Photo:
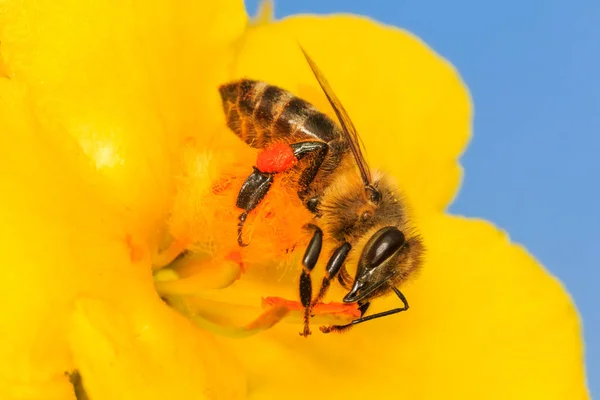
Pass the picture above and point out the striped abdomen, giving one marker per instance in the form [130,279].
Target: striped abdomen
[260,114]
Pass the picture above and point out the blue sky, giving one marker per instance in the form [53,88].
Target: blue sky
[533,68]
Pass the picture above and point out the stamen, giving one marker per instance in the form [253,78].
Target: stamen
[322,313]
[192,311]
[190,285]
[228,319]
[199,275]
[168,255]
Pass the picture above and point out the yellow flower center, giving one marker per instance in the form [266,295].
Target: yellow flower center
[203,257]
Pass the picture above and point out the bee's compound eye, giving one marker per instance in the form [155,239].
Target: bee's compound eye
[383,245]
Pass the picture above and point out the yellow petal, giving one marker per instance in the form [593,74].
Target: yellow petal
[408,104]
[33,349]
[486,321]
[77,287]
[147,351]
[94,99]
[126,79]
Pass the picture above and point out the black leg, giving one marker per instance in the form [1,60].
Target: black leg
[363,307]
[318,154]
[333,267]
[242,219]
[254,189]
[257,185]
[341,328]
[309,261]
[303,149]
[345,279]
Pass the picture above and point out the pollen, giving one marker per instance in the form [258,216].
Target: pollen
[276,158]
[323,313]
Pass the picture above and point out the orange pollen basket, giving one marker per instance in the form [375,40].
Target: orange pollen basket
[276,158]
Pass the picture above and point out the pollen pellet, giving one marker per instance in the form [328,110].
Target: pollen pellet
[276,158]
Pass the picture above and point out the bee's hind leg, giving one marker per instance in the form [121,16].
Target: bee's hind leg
[317,151]
[254,189]
[273,160]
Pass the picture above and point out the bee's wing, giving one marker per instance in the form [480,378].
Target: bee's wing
[348,129]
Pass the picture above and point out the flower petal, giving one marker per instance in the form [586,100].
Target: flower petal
[148,351]
[79,284]
[409,105]
[128,81]
[486,321]
[97,96]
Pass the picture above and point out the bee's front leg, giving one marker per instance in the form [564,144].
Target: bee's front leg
[363,309]
[309,261]
[311,256]
[335,263]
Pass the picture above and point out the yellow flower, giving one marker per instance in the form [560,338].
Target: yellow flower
[112,140]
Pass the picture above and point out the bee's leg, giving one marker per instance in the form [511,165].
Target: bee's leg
[272,160]
[333,267]
[308,176]
[317,152]
[311,256]
[253,190]
[341,328]
[302,149]
[344,278]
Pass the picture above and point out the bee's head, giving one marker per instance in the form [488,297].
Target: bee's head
[387,259]
[351,210]
[374,220]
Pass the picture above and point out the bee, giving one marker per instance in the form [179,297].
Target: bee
[323,162]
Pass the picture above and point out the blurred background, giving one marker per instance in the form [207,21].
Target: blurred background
[532,167]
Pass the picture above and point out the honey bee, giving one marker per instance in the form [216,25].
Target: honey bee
[324,163]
